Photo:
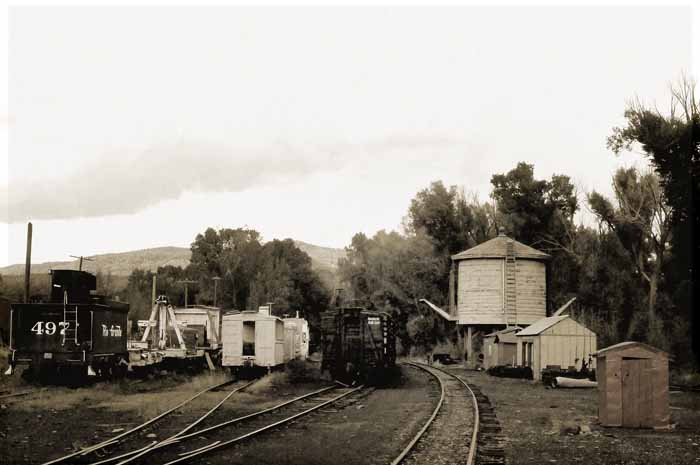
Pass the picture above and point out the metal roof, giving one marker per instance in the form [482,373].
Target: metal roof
[504,331]
[541,325]
[496,248]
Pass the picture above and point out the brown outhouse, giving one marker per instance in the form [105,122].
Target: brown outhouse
[633,386]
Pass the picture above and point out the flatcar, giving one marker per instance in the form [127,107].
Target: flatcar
[75,332]
[358,344]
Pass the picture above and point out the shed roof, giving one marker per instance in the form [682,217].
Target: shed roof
[629,344]
[541,325]
[496,248]
[504,331]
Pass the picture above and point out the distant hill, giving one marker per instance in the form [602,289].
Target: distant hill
[322,257]
[121,264]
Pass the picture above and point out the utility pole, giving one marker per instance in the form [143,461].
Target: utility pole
[28,263]
[186,282]
[87,259]
[153,290]
[216,280]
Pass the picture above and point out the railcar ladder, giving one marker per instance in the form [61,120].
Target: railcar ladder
[70,322]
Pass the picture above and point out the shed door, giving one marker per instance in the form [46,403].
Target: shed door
[636,393]
[509,353]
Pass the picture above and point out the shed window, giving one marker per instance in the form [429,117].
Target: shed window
[527,354]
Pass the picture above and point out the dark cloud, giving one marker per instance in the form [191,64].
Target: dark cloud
[123,184]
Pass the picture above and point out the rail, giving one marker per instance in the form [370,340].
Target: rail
[117,438]
[472,446]
[187,456]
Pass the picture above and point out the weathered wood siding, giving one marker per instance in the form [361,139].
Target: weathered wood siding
[560,344]
[565,342]
[633,388]
[480,291]
[531,291]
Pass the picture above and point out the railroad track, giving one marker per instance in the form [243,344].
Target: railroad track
[97,453]
[190,447]
[450,434]
[16,395]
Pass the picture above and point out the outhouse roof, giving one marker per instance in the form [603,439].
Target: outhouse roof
[496,248]
[541,325]
[628,345]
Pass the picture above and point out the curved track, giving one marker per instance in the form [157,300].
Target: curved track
[450,434]
[97,451]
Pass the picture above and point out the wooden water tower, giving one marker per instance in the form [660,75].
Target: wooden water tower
[495,285]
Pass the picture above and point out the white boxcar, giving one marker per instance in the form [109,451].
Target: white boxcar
[252,339]
[296,338]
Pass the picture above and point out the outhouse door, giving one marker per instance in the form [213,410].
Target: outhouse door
[636,392]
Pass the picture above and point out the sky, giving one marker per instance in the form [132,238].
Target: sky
[134,127]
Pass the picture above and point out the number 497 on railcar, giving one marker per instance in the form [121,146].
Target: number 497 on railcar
[75,332]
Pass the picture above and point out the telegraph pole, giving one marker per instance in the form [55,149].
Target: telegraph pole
[186,282]
[28,263]
[216,280]
[87,259]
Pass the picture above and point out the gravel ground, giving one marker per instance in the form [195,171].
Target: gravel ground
[371,428]
[538,424]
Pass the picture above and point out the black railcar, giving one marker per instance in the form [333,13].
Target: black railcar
[75,331]
[359,345]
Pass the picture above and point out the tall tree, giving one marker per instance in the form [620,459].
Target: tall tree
[671,141]
[444,215]
[540,213]
[641,222]
[230,254]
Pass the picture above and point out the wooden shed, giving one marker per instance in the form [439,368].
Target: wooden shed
[500,348]
[556,340]
[633,386]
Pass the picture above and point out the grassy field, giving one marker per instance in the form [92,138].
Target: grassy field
[561,426]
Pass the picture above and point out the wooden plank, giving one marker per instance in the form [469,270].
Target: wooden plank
[630,393]
[209,362]
[646,402]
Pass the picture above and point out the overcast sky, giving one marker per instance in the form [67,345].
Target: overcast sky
[136,127]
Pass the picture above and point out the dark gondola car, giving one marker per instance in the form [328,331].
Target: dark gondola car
[75,331]
[359,345]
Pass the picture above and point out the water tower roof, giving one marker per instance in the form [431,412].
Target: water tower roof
[496,248]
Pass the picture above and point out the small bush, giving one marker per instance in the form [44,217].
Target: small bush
[300,371]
